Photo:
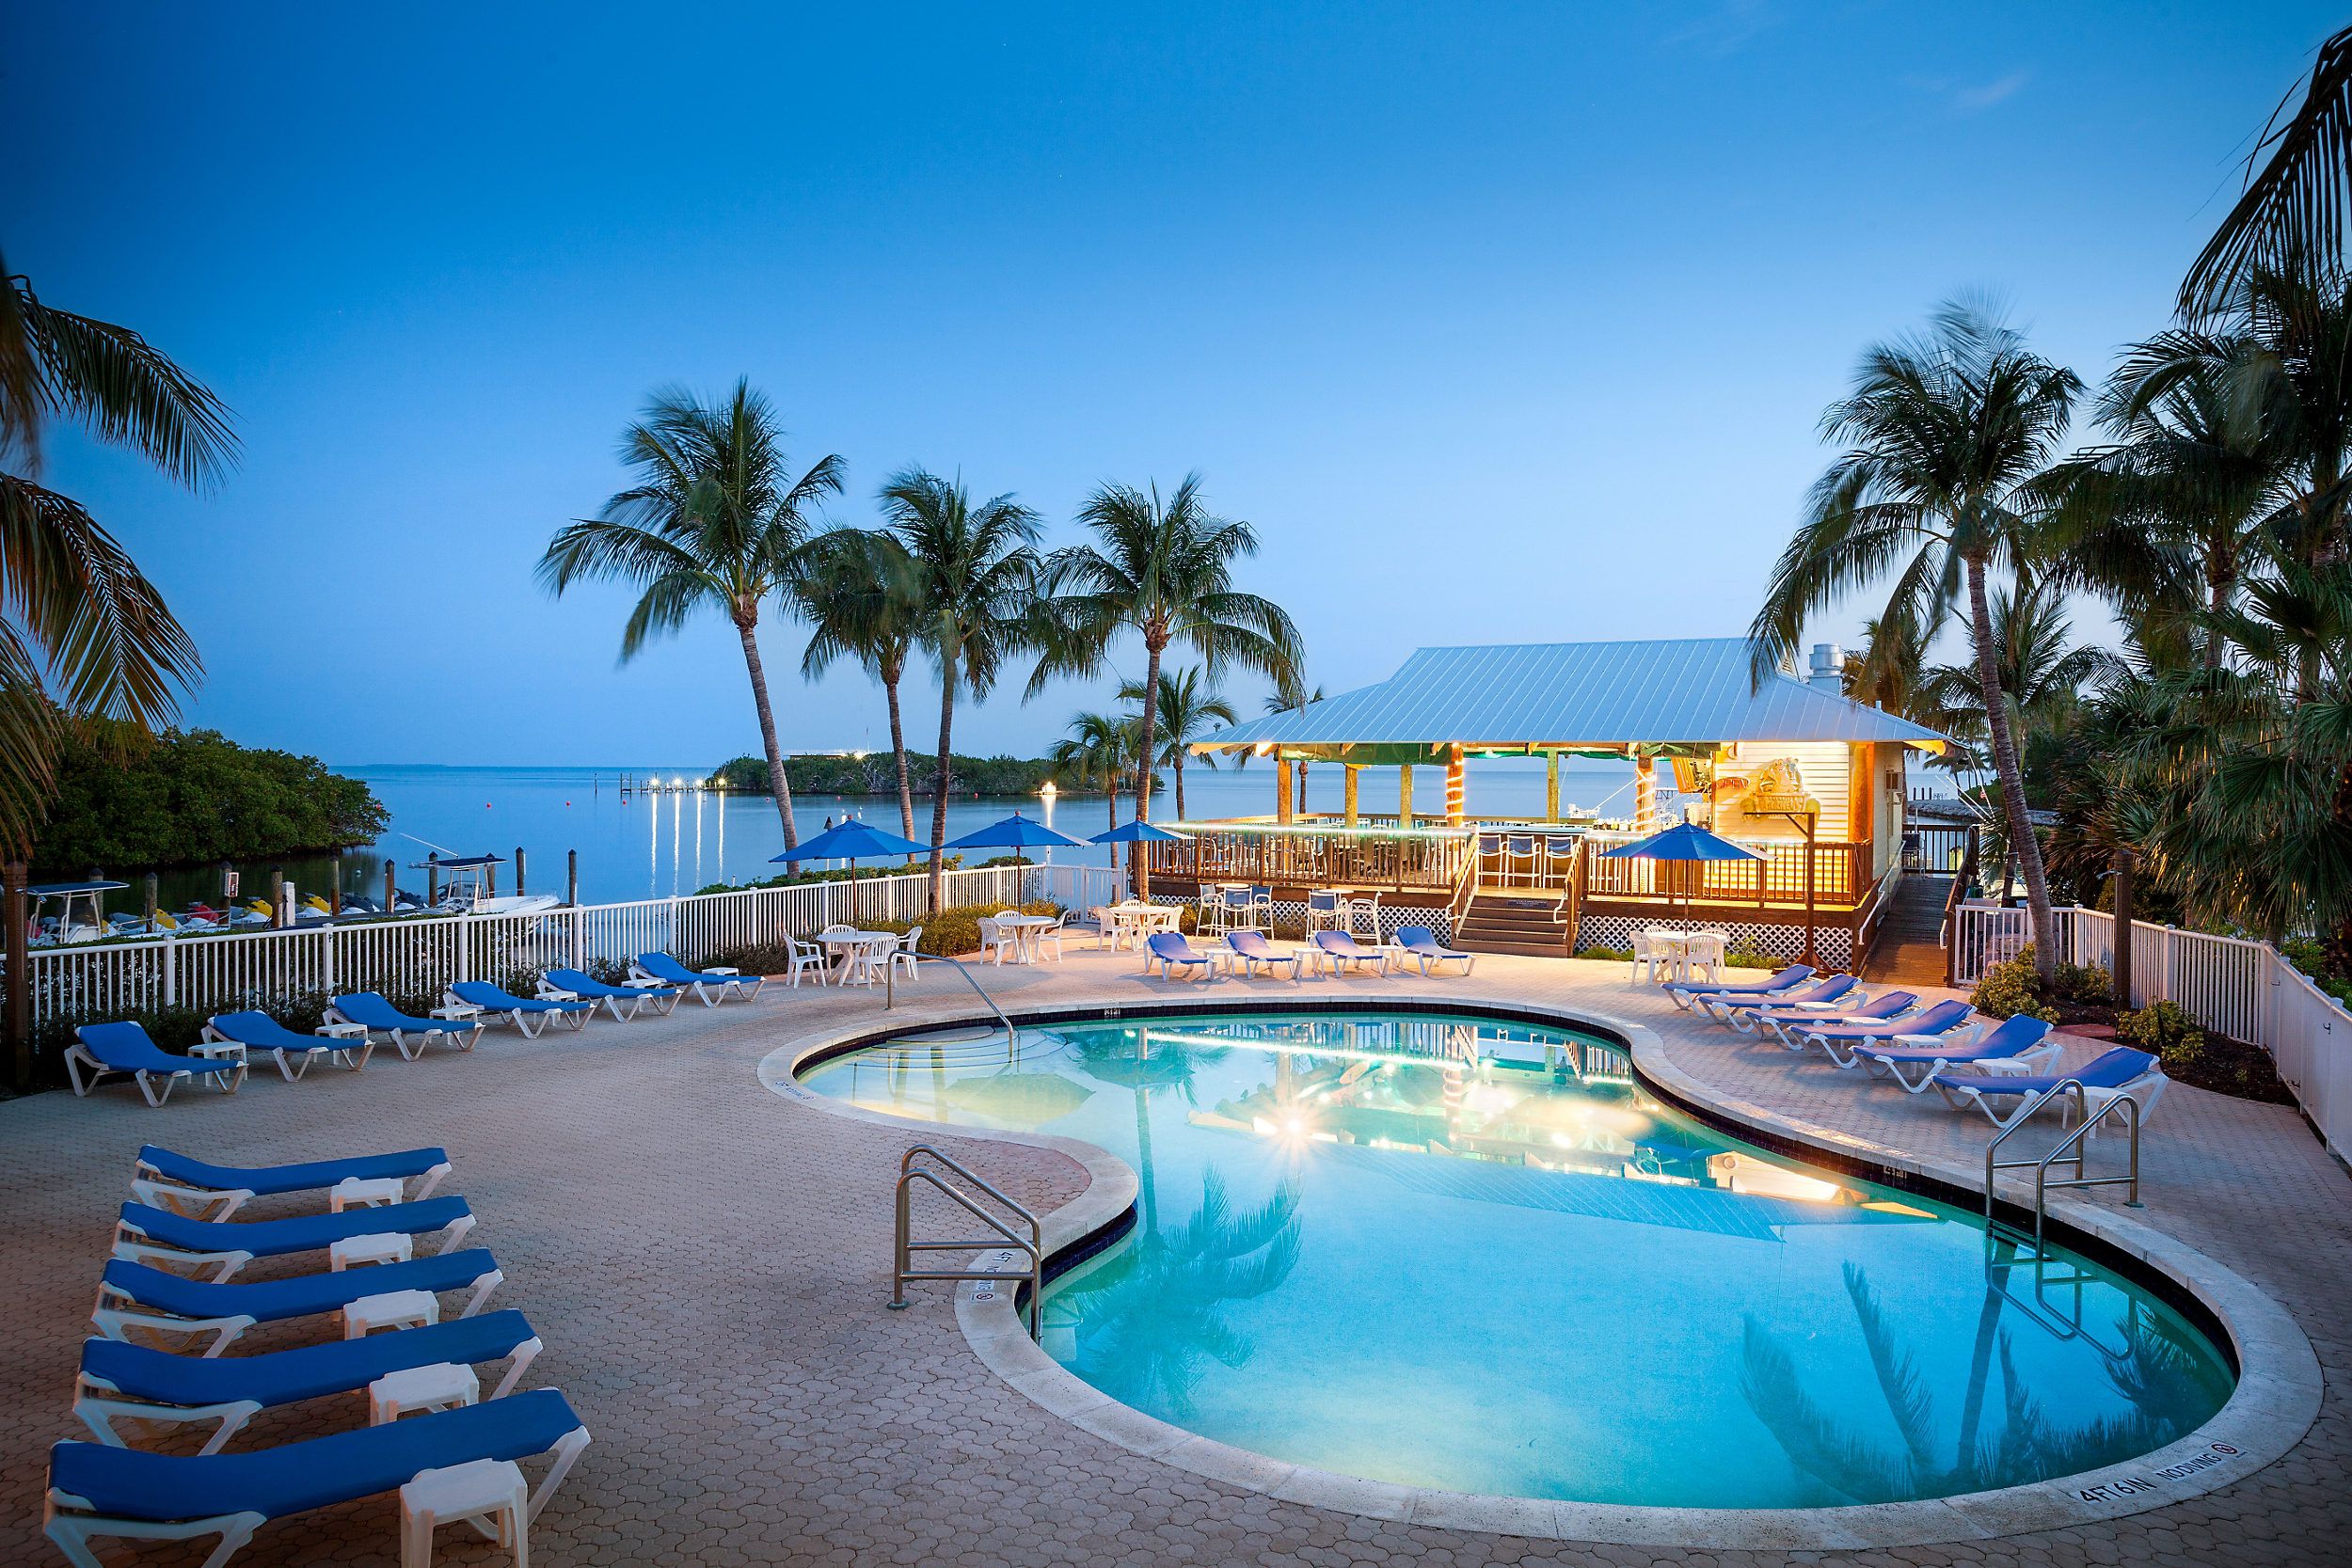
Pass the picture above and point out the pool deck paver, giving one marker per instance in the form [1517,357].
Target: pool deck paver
[707,1261]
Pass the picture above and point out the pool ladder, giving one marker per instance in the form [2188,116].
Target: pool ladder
[2085,1121]
[1013,1231]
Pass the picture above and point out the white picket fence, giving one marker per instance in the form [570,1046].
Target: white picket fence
[409,956]
[2241,988]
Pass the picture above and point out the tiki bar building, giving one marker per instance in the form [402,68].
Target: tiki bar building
[1810,780]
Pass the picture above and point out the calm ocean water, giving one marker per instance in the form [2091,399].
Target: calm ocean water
[657,845]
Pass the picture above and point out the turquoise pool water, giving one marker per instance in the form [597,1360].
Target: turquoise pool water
[1459,1253]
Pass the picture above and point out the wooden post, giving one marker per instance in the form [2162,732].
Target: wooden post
[490,881]
[2125,862]
[1347,795]
[277,896]
[1405,796]
[1454,805]
[147,887]
[571,876]
[1808,823]
[1283,770]
[335,894]
[432,879]
[392,885]
[1551,786]
[518,871]
[18,946]
[1644,794]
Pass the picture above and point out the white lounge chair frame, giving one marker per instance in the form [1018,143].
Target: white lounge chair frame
[123,1321]
[226,1076]
[151,1187]
[131,1246]
[338,1048]
[464,1036]
[523,1018]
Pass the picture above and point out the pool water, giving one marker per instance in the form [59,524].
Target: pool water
[1460,1252]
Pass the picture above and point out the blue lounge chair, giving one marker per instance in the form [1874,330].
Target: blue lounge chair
[168,1179]
[527,1014]
[1249,950]
[409,1035]
[1338,950]
[2020,1044]
[572,985]
[1882,1009]
[135,1296]
[124,1048]
[1422,944]
[97,1491]
[1781,984]
[2007,1100]
[261,1032]
[1839,1041]
[119,1381]
[710,986]
[1737,1010]
[170,1241]
[1169,949]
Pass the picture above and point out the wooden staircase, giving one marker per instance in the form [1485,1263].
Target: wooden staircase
[1905,950]
[1531,923]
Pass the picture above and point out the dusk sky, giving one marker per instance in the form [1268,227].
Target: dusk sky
[1501,323]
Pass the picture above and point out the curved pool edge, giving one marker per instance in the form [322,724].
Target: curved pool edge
[2275,1401]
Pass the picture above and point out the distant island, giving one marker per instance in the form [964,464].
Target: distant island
[192,798]
[875,774]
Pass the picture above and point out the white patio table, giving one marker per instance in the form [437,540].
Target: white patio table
[857,951]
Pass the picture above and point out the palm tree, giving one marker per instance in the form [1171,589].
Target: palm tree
[1182,714]
[974,581]
[1099,750]
[2191,493]
[859,595]
[1164,571]
[1289,697]
[714,519]
[2291,210]
[83,635]
[1949,434]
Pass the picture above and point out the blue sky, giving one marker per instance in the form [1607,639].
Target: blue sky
[1501,323]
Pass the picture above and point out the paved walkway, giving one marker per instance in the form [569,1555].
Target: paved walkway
[708,1263]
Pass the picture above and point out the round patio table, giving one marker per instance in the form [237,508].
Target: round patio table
[1024,928]
[857,950]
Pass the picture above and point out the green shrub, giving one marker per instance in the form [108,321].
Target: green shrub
[1607,955]
[2084,983]
[2163,1028]
[2012,988]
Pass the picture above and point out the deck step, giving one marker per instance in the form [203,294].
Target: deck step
[1906,949]
[1529,927]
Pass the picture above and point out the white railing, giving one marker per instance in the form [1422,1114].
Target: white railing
[422,954]
[2232,986]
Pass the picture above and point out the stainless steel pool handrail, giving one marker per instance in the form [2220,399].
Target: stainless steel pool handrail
[2085,1119]
[1003,1235]
[1013,1035]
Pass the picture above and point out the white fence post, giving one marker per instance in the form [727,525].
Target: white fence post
[465,956]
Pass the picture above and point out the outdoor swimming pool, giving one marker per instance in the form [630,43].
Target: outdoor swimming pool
[1465,1254]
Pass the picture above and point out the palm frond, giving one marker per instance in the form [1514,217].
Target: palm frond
[2292,212]
[123,391]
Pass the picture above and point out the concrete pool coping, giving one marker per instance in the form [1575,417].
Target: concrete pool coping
[2274,1404]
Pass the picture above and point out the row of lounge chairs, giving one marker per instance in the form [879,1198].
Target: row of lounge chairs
[1246,952]
[2003,1069]
[354,1020]
[448,1452]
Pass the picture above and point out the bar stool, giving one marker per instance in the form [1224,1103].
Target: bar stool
[1490,848]
[1326,911]
[1518,848]
[1557,852]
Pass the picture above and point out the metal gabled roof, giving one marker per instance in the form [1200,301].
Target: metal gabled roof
[1671,691]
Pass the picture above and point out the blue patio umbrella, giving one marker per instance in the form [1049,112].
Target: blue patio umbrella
[1685,843]
[1135,832]
[1016,833]
[851,841]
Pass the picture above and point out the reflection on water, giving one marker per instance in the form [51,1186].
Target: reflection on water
[1465,1254]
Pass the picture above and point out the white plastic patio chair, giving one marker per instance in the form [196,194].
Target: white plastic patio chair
[993,942]
[1706,951]
[1648,960]
[1044,934]
[904,953]
[1363,917]
[807,957]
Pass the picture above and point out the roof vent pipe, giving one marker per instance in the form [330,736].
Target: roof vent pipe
[1829,668]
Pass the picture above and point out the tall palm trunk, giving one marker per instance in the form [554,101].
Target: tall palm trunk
[939,788]
[1180,784]
[2013,774]
[891,670]
[2220,582]
[778,786]
[1142,860]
